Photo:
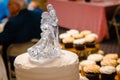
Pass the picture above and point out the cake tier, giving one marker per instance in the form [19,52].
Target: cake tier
[65,67]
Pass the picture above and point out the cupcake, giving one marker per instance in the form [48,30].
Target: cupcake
[95,57]
[85,32]
[93,35]
[111,56]
[90,42]
[62,36]
[118,71]
[108,72]
[79,44]
[92,71]
[118,60]
[83,77]
[86,62]
[68,42]
[101,52]
[108,62]
[77,36]
[72,32]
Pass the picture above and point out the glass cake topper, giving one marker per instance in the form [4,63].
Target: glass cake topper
[48,46]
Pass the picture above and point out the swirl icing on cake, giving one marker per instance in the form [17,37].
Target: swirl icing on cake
[65,67]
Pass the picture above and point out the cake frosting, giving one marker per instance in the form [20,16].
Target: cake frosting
[64,67]
[107,69]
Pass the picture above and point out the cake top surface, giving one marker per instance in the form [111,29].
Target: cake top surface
[67,58]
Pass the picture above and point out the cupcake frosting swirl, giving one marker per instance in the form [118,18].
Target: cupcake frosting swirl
[107,69]
[64,35]
[86,62]
[111,56]
[72,31]
[108,62]
[68,40]
[118,61]
[93,68]
[79,41]
[95,57]
[89,39]
[118,68]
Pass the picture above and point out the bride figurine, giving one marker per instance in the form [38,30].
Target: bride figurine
[48,46]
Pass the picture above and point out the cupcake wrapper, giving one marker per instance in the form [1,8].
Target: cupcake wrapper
[68,45]
[79,47]
[92,76]
[90,44]
[108,76]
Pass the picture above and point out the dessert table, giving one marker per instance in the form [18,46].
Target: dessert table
[85,16]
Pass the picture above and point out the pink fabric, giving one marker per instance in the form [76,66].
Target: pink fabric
[83,16]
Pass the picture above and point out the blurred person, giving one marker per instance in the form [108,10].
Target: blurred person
[3,9]
[22,26]
[34,6]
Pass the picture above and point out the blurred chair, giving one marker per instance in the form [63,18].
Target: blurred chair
[16,49]
[3,74]
[115,22]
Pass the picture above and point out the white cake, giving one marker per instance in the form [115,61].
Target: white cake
[65,67]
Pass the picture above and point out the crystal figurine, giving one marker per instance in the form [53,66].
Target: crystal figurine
[48,46]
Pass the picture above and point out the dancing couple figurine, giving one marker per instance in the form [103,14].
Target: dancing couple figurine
[48,46]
